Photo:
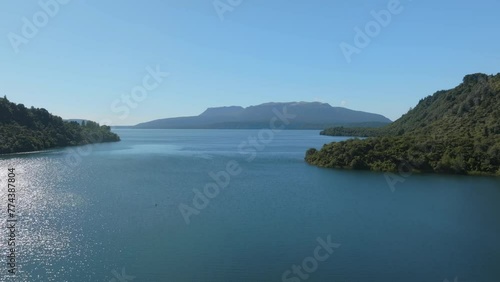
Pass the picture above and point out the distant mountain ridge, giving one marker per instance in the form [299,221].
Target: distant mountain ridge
[309,115]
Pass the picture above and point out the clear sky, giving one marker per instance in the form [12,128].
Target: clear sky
[90,53]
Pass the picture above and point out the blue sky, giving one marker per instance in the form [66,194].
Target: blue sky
[92,52]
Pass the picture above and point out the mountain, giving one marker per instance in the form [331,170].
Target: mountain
[452,131]
[309,115]
[27,130]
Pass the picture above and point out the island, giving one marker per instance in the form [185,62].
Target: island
[453,131]
[32,129]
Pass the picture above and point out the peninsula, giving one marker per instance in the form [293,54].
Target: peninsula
[453,131]
[31,129]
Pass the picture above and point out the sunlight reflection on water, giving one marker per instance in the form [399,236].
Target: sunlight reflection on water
[118,209]
[47,230]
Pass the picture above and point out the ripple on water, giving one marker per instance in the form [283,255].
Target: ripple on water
[48,228]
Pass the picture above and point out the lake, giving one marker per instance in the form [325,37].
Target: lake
[241,205]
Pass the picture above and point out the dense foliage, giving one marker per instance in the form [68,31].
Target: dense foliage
[454,131]
[27,130]
[352,131]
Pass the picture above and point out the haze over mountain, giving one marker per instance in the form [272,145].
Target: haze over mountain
[309,115]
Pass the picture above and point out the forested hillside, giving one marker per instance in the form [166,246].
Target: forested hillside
[31,129]
[453,131]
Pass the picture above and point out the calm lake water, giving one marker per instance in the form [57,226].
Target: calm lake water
[113,214]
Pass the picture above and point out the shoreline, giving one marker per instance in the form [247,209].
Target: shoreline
[48,150]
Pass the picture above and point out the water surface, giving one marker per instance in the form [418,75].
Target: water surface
[115,209]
